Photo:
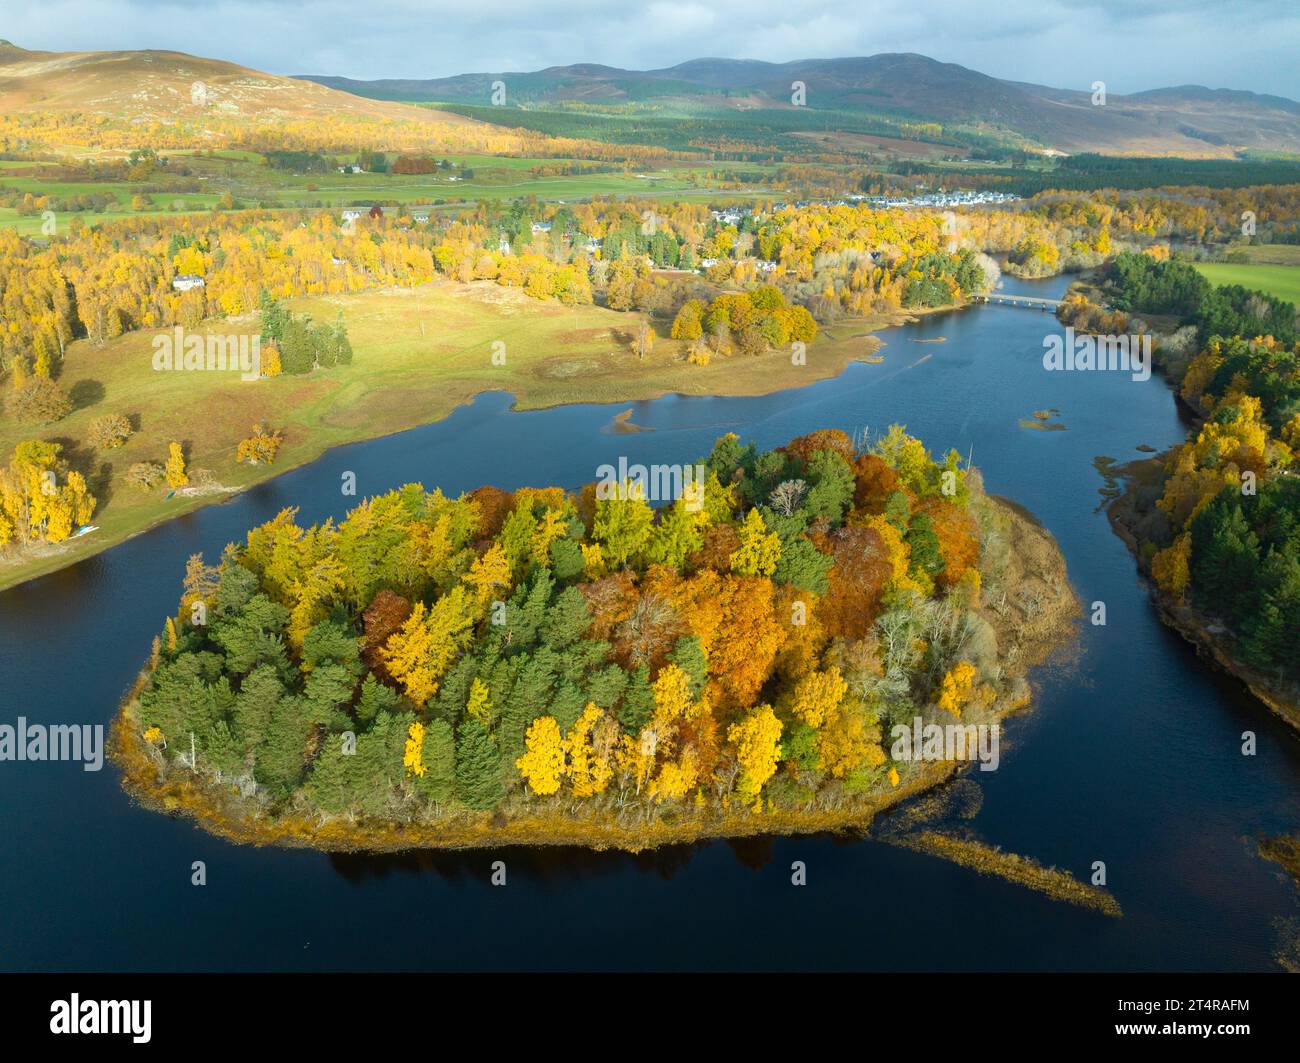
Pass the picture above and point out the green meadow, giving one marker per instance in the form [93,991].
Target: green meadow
[1279,280]
[419,353]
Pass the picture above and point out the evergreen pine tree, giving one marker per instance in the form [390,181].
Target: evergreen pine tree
[638,701]
[478,767]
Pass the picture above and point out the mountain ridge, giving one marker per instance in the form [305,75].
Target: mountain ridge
[159,86]
[1185,119]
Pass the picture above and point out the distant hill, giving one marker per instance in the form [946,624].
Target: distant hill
[171,88]
[200,100]
[1187,120]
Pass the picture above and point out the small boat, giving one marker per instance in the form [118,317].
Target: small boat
[85,529]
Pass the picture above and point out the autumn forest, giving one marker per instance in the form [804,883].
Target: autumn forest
[641,511]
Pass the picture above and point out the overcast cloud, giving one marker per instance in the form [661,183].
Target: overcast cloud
[1129,44]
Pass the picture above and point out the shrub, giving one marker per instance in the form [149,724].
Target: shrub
[109,431]
[145,475]
[260,448]
[40,401]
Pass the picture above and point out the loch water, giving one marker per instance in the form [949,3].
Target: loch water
[1131,755]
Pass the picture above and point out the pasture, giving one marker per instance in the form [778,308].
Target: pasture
[1278,280]
[418,353]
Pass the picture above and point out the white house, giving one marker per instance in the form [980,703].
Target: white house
[730,216]
[353,214]
[185,281]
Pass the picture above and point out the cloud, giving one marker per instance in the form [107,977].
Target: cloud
[1130,44]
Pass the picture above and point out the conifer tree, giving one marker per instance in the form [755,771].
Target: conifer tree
[478,767]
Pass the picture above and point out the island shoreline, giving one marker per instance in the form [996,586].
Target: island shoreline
[220,812]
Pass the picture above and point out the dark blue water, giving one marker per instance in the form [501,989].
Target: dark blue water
[1131,756]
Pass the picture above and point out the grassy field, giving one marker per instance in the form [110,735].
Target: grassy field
[419,353]
[1276,254]
[252,184]
[1280,280]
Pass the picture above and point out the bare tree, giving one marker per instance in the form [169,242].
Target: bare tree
[787,495]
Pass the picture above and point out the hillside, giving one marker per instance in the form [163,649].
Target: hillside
[1187,120]
[104,99]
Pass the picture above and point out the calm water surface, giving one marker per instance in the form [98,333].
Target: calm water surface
[1131,756]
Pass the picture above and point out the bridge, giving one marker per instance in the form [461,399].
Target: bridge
[1029,302]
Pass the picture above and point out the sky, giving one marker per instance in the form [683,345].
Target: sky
[1131,45]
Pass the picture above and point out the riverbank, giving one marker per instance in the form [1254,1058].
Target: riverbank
[1031,607]
[1212,640]
[1130,508]
[420,353]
